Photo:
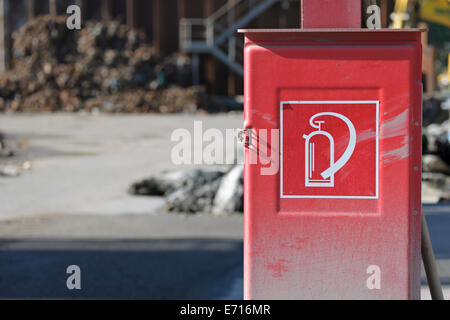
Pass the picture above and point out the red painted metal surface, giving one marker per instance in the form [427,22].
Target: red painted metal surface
[331,14]
[312,232]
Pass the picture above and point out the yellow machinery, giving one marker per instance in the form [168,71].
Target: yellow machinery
[436,11]
[400,14]
[444,78]
[433,11]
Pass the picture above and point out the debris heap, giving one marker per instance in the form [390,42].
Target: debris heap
[436,151]
[104,66]
[213,190]
[5,152]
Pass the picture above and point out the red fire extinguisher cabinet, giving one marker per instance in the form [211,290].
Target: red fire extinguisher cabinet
[333,164]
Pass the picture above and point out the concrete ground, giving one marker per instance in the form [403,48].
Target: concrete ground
[72,208]
[160,256]
[84,164]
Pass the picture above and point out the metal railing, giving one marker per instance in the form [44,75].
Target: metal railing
[216,34]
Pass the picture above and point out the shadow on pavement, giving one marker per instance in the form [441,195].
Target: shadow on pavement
[121,269]
[182,268]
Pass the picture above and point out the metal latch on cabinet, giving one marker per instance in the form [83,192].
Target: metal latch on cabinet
[245,136]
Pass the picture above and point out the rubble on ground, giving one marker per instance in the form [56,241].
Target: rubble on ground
[5,151]
[230,194]
[436,140]
[435,187]
[436,153]
[14,170]
[10,165]
[433,163]
[106,66]
[213,190]
[433,110]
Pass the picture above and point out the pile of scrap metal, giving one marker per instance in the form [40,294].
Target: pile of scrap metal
[5,152]
[436,151]
[211,190]
[105,66]
[9,168]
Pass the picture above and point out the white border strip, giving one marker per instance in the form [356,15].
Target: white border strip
[377,103]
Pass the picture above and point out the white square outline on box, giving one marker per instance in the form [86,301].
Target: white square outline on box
[376,102]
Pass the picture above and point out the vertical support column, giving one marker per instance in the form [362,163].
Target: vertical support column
[31,9]
[164,23]
[182,13]
[210,62]
[52,8]
[384,14]
[428,60]
[214,69]
[131,13]
[231,17]
[106,10]
[331,14]
[5,37]
[159,30]
[158,10]
[208,11]
[195,70]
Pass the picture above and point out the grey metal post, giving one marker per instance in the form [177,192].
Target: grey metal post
[430,263]
[131,13]
[195,70]
[106,10]
[31,9]
[53,8]
[5,37]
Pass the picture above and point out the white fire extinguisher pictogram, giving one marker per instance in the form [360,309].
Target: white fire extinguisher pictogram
[319,172]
